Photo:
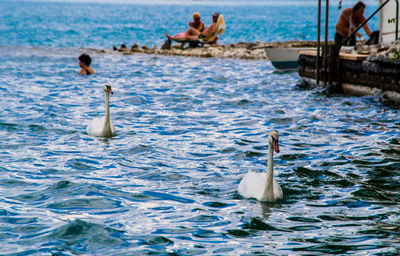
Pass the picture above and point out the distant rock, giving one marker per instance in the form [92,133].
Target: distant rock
[123,48]
[134,46]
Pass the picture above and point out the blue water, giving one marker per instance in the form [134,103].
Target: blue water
[188,130]
[102,25]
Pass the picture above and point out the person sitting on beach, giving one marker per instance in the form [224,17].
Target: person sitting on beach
[197,23]
[348,22]
[84,64]
[194,34]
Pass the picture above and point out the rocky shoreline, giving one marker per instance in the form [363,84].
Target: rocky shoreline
[243,50]
[251,50]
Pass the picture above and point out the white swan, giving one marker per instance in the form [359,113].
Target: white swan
[102,126]
[263,186]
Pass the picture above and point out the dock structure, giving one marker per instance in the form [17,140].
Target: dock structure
[362,70]
[356,74]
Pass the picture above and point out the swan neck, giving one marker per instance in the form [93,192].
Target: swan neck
[269,189]
[270,166]
[107,121]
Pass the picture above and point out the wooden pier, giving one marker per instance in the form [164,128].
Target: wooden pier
[357,74]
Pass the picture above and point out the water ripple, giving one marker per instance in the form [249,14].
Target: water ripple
[167,183]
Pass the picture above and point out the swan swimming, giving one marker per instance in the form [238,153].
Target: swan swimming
[102,126]
[263,186]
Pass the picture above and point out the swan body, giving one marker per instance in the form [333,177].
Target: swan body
[102,126]
[263,186]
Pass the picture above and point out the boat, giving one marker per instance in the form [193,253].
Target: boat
[285,59]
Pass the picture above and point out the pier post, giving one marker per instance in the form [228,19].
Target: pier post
[318,43]
[326,42]
[333,65]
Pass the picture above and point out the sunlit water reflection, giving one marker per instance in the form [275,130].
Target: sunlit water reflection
[188,129]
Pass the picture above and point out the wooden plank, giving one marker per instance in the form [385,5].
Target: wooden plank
[309,52]
[342,55]
[350,56]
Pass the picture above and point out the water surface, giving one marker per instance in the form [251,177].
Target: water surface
[188,130]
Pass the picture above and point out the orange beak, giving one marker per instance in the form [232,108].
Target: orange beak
[109,90]
[276,146]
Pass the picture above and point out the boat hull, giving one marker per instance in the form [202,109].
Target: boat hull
[285,59]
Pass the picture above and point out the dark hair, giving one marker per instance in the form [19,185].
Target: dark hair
[85,59]
[358,5]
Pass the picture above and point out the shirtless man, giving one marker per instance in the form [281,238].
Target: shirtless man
[197,23]
[348,22]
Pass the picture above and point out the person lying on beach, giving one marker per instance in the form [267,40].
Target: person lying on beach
[84,64]
[196,26]
[194,34]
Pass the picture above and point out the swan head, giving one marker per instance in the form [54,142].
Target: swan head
[107,88]
[273,139]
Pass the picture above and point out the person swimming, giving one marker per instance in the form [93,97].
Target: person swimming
[84,64]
